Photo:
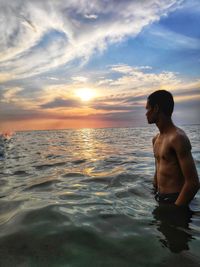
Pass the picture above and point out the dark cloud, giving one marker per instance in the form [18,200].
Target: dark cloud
[59,102]
[120,109]
[11,112]
[124,98]
[112,103]
[121,116]
[14,113]
[188,104]
[188,92]
[133,99]
[115,107]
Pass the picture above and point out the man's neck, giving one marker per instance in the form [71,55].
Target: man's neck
[164,124]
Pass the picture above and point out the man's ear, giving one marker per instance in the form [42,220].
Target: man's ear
[156,108]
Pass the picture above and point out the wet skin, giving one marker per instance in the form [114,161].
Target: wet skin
[175,168]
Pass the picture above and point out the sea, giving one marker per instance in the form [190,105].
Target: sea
[84,197]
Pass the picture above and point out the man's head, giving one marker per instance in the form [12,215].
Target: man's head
[159,102]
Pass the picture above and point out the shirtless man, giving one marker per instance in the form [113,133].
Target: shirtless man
[176,180]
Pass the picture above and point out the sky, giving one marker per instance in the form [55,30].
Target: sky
[93,63]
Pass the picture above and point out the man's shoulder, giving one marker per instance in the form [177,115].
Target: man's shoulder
[154,138]
[178,134]
[179,139]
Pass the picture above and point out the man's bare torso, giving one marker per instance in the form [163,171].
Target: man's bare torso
[168,172]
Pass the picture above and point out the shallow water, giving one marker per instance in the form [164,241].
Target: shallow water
[84,198]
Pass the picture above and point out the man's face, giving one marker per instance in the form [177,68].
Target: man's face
[151,114]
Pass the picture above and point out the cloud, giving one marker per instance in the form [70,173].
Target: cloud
[10,94]
[127,92]
[123,68]
[191,6]
[115,107]
[80,79]
[173,40]
[6,76]
[188,92]
[42,35]
[91,16]
[104,81]
[58,102]
[140,78]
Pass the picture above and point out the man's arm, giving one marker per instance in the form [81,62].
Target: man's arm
[182,146]
[155,184]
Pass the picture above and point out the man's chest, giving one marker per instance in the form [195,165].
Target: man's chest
[163,150]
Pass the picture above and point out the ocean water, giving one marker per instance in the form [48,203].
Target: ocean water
[84,198]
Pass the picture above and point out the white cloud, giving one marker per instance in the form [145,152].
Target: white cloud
[140,78]
[174,40]
[10,94]
[37,36]
[122,68]
[53,78]
[6,76]
[144,68]
[104,82]
[81,79]
[91,16]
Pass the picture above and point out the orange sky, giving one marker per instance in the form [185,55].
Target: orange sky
[59,70]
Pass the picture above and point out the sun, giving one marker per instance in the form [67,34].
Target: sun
[85,94]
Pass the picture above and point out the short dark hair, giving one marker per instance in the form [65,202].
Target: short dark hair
[164,100]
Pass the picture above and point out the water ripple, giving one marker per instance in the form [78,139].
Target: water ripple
[78,197]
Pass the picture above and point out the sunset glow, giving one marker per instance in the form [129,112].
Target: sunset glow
[85,94]
[70,64]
